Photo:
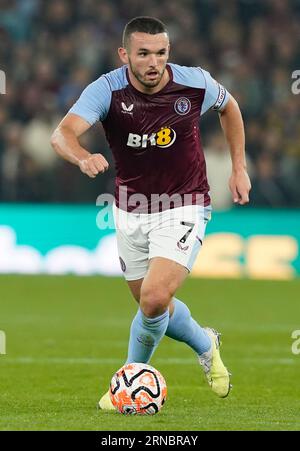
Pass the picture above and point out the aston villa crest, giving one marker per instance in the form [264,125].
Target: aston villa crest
[182,106]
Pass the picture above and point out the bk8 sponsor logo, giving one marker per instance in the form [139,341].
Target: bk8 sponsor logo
[165,137]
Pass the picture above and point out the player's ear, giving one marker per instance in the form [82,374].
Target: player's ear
[123,55]
[169,50]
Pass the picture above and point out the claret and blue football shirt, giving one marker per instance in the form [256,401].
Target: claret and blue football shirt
[155,138]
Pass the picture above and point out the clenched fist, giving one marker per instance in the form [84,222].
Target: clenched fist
[93,165]
[240,186]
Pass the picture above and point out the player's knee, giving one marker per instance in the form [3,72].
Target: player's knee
[154,301]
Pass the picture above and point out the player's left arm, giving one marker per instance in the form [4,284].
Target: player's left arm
[233,128]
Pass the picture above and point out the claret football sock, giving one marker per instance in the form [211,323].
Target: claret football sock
[145,334]
[182,327]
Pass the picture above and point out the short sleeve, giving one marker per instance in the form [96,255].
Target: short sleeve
[94,102]
[216,96]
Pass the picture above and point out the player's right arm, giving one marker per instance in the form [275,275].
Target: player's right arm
[65,142]
[92,106]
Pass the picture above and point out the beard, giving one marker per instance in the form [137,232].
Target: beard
[142,79]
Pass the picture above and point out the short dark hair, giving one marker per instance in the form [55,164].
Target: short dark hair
[143,24]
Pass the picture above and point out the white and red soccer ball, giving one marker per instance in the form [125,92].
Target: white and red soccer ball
[138,389]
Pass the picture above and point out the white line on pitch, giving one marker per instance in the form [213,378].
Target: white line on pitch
[114,361]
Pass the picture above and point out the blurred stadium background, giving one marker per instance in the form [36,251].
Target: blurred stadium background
[49,51]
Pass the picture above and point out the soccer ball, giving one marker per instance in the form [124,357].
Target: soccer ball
[138,389]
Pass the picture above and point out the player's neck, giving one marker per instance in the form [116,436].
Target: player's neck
[140,87]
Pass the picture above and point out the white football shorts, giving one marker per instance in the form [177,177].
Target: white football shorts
[176,234]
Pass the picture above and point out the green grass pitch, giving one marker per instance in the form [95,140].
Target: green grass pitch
[66,336]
